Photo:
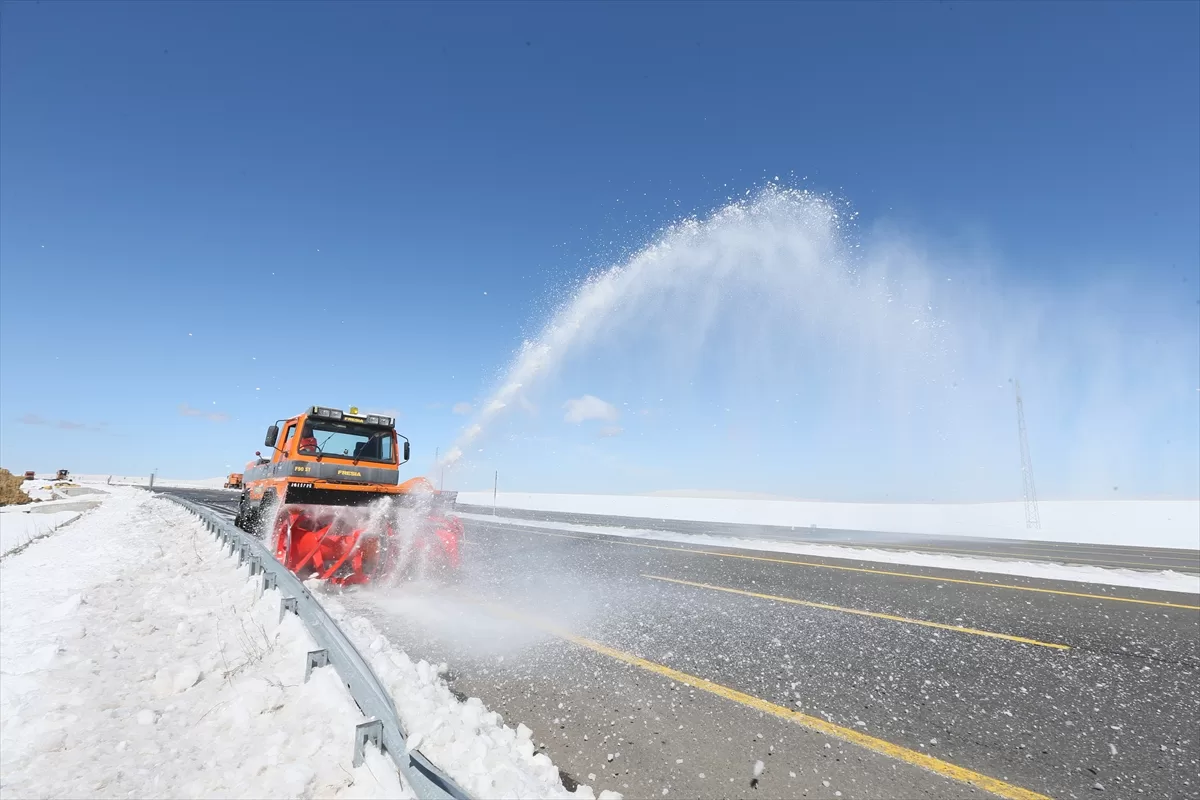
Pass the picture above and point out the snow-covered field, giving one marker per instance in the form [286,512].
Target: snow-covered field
[143,480]
[1166,580]
[19,526]
[1147,523]
[136,659]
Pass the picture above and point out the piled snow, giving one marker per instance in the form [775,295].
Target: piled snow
[39,490]
[1166,580]
[483,755]
[135,660]
[1147,523]
[20,526]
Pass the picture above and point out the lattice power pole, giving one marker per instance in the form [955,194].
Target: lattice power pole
[1033,519]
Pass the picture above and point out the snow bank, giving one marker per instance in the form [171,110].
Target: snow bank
[39,490]
[137,661]
[1148,523]
[482,754]
[1166,580]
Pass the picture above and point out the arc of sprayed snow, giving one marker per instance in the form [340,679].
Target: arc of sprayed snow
[603,292]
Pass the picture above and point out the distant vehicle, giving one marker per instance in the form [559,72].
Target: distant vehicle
[61,476]
[234,481]
[320,501]
[30,475]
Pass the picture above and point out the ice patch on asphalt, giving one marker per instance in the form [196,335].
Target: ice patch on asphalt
[137,660]
[1165,580]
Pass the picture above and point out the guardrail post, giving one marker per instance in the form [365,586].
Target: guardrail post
[268,580]
[315,660]
[288,604]
[364,732]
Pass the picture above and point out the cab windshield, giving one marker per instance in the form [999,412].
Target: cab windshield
[346,440]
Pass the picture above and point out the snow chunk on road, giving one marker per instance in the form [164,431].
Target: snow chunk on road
[137,660]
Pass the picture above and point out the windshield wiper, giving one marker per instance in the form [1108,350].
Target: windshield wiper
[370,439]
[321,446]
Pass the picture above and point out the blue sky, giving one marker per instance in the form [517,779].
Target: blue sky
[214,215]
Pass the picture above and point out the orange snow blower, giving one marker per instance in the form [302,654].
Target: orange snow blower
[330,504]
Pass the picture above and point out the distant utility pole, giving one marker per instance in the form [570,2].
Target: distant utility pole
[1033,519]
[495,488]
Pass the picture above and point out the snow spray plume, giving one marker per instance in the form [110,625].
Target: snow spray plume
[783,251]
[774,329]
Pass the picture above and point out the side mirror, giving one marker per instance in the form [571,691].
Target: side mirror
[272,436]
[406,450]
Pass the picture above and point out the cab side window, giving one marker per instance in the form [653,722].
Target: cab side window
[287,440]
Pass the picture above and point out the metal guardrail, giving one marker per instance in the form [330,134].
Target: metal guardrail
[383,727]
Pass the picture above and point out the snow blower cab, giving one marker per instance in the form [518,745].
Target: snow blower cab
[329,502]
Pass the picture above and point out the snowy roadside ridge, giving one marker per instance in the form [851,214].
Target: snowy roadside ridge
[468,745]
[148,667]
[383,726]
[473,744]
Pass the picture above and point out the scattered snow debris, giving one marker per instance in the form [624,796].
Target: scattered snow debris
[1112,748]
[759,766]
[825,784]
[150,647]
[791,774]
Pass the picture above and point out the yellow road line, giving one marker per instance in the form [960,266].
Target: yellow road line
[861,613]
[935,765]
[891,573]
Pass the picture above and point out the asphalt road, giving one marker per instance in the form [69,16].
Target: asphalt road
[842,677]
